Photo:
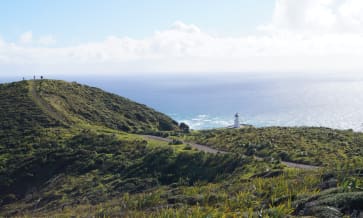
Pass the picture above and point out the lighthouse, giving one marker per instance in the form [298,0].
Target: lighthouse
[236,121]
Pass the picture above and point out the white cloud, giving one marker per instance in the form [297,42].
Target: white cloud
[2,43]
[46,40]
[317,16]
[180,26]
[26,37]
[302,36]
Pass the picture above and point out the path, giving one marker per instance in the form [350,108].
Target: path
[300,166]
[57,116]
[193,145]
[43,104]
[295,165]
[215,151]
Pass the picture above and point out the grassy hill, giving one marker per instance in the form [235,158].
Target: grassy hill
[79,103]
[71,150]
[46,103]
[83,103]
[64,144]
[19,114]
[307,145]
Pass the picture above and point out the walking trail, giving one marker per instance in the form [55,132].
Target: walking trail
[45,106]
[57,116]
[193,145]
[215,151]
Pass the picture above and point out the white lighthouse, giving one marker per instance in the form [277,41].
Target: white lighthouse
[236,121]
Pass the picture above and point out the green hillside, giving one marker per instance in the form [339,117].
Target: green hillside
[64,144]
[47,103]
[307,145]
[69,150]
[19,114]
[79,103]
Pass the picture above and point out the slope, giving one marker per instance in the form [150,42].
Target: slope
[63,154]
[28,105]
[77,103]
[19,114]
[61,144]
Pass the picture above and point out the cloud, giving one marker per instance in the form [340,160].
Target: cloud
[46,40]
[307,36]
[322,16]
[26,37]
[180,26]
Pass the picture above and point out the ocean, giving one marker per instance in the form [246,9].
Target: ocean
[210,101]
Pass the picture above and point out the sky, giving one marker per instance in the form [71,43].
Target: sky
[119,37]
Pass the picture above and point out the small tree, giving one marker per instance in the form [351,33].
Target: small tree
[184,127]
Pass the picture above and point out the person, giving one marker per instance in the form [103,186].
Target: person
[41,77]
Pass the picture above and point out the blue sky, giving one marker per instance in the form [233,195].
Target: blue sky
[181,37]
[91,20]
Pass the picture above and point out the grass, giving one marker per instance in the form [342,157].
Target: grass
[83,103]
[315,146]
[89,159]
[207,199]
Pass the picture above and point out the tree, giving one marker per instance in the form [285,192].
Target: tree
[184,127]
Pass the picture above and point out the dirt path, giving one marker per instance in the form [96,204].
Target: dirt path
[300,166]
[193,145]
[295,165]
[215,151]
[43,104]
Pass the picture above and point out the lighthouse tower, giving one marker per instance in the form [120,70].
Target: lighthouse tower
[236,121]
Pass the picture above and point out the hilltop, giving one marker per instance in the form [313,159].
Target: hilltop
[68,149]
[47,103]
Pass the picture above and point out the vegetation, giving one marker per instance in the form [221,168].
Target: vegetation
[308,145]
[80,103]
[72,150]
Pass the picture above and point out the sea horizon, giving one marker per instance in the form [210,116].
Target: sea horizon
[206,103]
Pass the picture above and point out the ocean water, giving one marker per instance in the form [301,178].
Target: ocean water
[210,101]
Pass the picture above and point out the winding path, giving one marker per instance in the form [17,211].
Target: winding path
[300,166]
[193,145]
[215,151]
[55,115]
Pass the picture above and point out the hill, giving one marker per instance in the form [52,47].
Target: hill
[19,114]
[46,103]
[71,150]
[306,145]
[64,144]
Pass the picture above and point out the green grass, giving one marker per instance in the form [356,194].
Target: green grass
[315,146]
[79,103]
[73,150]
